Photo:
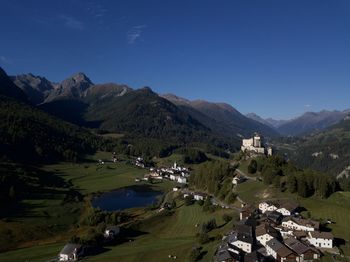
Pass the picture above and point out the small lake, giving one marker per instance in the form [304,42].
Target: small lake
[125,198]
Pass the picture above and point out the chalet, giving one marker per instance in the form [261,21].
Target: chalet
[241,241]
[199,196]
[265,232]
[246,212]
[299,234]
[300,224]
[238,179]
[227,253]
[140,162]
[321,239]
[175,189]
[111,232]
[181,180]
[279,251]
[173,177]
[273,217]
[71,252]
[284,231]
[268,206]
[288,208]
[304,252]
[242,238]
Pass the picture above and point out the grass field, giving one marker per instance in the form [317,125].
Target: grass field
[162,236]
[169,235]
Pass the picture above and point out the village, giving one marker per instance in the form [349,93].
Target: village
[275,231]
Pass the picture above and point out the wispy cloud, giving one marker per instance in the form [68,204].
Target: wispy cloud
[307,105]
[135,33]
[96,10]
[72,23]
[5,60]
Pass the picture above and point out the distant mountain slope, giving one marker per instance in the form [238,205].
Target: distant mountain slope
[311,122]
[143,113]
[327,151]
[268,121]
[9,89]
[35,87]
[28,134]
[222,117]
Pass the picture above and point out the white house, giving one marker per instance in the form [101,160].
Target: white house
[265,233]
[173,177]
[176,189]
[182,180]
[71,252]
[268,206]
[288,208]
[321,239]
[272,246]
[111,231]
[199,196]
[241,241]
[279,251]
[238,179]
[300,224]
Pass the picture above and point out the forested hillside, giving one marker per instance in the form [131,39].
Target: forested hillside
[328,151]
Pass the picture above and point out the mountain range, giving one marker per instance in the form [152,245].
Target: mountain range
[309,122]
[119,108]
[60,120]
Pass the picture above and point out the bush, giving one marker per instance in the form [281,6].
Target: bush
[209,226]
[227,218]
[189,200]
[252,167]
[194,255]
[200,202]
[203,238]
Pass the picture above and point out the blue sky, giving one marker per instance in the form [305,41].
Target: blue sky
[275,58]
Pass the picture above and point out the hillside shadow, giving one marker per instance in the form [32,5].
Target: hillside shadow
[339,241]
[38,185]
[71,110]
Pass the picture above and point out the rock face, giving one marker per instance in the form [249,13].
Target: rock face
[71,88]
[36,88]
[8,88]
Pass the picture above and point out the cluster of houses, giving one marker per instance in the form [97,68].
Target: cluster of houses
[175,173]
[256,145]
[274,232]
[74,251]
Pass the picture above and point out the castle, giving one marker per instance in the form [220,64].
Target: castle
[255,145]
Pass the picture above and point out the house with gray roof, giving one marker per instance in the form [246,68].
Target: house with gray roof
[71,252]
